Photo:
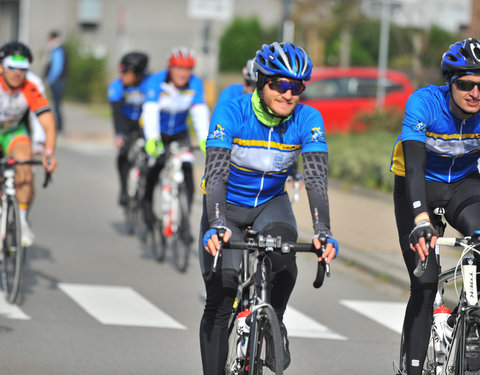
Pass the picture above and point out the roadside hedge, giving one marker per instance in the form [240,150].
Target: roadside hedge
[362,158]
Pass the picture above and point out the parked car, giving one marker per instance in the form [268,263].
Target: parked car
[342,94]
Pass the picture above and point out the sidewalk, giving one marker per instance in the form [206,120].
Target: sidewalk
[362,220]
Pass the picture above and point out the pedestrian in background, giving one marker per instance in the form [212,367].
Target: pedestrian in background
[56,74]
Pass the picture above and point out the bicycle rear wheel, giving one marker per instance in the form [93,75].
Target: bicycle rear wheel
[183,238]
[13,252]
[266,350]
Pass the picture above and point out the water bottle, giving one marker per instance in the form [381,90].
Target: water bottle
[243,328]
[440,317]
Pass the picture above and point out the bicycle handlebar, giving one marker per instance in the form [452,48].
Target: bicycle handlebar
[446,241]
[11,162]
[269,244]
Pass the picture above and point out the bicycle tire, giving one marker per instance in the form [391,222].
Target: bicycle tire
[157,242]
[266,349]
[181,245]
[13,252]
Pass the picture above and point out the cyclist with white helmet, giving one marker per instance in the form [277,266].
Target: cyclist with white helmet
[247,87]
[435,162]
[19,96]
[253,142]
[172,95]
[126,96]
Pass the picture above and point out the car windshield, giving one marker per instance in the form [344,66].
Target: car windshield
[346,87]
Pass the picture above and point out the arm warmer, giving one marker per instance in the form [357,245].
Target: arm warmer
[415,159]
[315,170]
[217,170]
[120,122]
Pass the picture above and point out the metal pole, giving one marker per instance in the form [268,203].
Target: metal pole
[383,52]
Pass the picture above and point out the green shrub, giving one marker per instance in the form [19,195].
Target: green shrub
[86,75]
[362,158]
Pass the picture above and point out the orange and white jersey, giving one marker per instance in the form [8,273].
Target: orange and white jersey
[14,104]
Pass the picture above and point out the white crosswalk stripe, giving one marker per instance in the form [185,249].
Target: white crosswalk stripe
[388,314]
[10,311]
[116,305]
[301,325]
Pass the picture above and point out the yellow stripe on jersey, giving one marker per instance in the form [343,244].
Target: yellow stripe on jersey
[452,136]
[257,143]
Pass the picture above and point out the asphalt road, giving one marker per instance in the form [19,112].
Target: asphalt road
[94,301]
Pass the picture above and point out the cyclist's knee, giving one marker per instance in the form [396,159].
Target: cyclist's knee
[467,218]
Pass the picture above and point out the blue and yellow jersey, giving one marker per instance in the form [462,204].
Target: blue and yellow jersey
[230,92]
[174,104]
[452,145]
[261,155]
[131,97]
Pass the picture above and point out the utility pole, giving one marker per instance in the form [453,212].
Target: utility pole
[288,26]
[383,52]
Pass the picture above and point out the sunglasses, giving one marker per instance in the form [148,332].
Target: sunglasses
[466,85]
[282,86]
[12,69]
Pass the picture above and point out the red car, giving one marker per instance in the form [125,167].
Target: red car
[341,94]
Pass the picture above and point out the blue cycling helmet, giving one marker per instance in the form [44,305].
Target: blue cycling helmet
[461,58]
[285,60]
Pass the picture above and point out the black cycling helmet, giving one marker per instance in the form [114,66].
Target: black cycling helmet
[461,58]
[134,62]
[15,48]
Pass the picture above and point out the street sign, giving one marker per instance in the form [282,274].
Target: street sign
[221,10]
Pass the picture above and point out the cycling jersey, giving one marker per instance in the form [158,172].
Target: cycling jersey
[230,92]
[452,145]
[173,105]
[130,97]
[261,156]
[15,104]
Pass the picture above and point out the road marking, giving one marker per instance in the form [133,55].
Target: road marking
[114,305]
[300,325]
[388,314]
[10,311]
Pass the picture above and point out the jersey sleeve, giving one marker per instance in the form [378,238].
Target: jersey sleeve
[36,101]
[311,130]
[221,131]
[416,119]
[197,85]
[115,91]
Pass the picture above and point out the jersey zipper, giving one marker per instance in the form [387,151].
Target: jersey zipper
[264,172]
[453,160]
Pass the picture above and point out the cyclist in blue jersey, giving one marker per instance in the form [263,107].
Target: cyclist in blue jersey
[435,162]
[252,144]
[237,89]
[126,96]
[173,94]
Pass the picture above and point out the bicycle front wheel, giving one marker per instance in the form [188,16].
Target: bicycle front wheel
[266,350]
[181,247]
[12,251]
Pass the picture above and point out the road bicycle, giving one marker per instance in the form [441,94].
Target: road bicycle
[255,344]
[454,345]
[137,160]
[12,251]
[172,229]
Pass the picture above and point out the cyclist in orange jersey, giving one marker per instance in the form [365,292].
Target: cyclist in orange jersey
[19,96]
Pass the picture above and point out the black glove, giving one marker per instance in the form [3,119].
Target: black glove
[423,229]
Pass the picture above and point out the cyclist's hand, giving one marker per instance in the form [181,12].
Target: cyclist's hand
[331,247]
[211,242]
[422,237]
[154,147]
[202,145]
[49,162]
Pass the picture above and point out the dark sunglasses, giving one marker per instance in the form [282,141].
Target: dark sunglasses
[282,86]
[12,69]
[466,85]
